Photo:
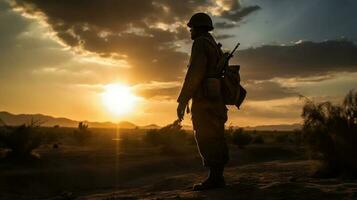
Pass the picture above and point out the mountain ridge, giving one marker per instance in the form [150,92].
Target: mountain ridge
[47,120]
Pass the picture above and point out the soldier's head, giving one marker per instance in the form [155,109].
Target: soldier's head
[200,23]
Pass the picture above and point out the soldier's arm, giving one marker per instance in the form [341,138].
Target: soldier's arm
[196,71]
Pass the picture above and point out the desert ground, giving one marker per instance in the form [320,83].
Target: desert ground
[122,164]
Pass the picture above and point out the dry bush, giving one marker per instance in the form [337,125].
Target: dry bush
[258,140]
[298,137]
[169,138]
[240,138]
[330,132]
[228,134]
[282,138]
[82,134]
[21,140]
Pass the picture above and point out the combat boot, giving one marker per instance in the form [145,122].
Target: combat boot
[214,180]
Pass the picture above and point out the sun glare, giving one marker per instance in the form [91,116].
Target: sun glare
[118,99]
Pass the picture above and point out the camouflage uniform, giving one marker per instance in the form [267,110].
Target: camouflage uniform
[208,116]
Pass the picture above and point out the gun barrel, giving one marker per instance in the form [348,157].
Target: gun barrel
[235,48]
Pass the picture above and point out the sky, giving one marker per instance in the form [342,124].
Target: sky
[58,57]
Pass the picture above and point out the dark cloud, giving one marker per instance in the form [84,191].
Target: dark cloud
[224,25]
[268,90]
[9,31]
[21,51]
[235,14]
[223,36]
[111,15]
[239,13]
[305,59]
[290,111]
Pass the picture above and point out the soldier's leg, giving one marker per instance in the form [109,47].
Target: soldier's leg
[209,133]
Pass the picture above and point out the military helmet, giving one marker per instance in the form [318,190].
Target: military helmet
[200,20]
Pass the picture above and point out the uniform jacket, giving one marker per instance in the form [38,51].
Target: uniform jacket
[203,60]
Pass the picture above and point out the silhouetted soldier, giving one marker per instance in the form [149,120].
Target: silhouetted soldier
[208,115]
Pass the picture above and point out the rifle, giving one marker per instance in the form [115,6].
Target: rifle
[235,48]
[223,61]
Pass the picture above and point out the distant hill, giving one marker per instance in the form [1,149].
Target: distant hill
[150,126]
[13,119]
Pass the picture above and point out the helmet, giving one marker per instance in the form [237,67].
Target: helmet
[200,20]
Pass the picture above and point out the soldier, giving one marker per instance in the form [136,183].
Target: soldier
[208,115]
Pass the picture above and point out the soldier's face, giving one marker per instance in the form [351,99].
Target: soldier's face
[193,33]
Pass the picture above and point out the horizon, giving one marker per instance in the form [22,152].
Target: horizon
[106,61]
[114,123]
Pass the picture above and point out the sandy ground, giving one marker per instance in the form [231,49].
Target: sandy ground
[268,180]
[256,172]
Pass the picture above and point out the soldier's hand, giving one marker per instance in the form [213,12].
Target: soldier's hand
[181,111]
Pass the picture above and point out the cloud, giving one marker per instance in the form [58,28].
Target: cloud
[25,46]
[305,59]
[147,36]
[239,13]
[257,90]
[158,90]
[147,39]
[9,30]
[223,36]
[268,90]
[224,25]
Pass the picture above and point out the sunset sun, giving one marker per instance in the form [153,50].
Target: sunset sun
[118,99]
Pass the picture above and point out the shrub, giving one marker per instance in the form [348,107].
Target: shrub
[258,140]
[298,137]
[21,140]
[330,132]
[153,137]
[228,134]
[240,138]
[82,134]
[169,137]
[281,138]
[53,135]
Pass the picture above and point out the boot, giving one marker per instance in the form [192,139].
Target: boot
[214,180]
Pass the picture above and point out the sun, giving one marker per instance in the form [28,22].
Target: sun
[119,99]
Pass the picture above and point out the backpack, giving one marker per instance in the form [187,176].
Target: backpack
[230,88]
